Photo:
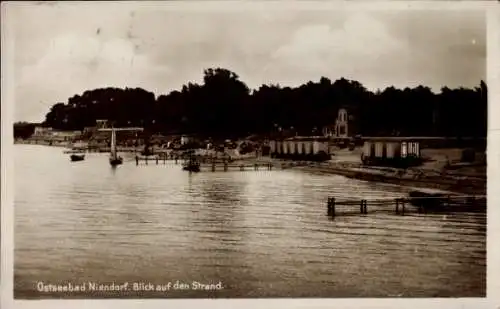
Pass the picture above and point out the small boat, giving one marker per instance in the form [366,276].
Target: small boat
[77,157]
[192,168]
[192,164]
[114,159]
[147,151]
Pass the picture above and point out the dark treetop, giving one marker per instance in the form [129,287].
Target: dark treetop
[224,106]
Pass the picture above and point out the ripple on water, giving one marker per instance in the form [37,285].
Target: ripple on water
[262,234]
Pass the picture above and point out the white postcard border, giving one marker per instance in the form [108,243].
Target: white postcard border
[493,155]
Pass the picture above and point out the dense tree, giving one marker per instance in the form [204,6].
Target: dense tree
[23,129]
[223,106]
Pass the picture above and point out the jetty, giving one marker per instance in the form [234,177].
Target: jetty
[423,203]
[206,166]
[158,158]
[237,166]
[211,163]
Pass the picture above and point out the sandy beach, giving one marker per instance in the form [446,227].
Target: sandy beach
[432,175]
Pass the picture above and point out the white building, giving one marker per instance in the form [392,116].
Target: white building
[42,131]
[300,145]
[341,127]
[342,124]
[388,149]
[185,139]
[49,134]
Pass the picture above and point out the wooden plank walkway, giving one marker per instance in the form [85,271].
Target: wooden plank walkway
[213,166]
[400,206]
[154,159]
[235,166]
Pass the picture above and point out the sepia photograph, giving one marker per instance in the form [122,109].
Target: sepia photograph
[180,151]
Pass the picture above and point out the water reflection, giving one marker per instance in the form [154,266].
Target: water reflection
[262,234]
[221,207]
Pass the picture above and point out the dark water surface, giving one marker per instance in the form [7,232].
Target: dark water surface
[261,234]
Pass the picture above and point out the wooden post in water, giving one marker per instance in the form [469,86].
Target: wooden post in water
[402,206]
[213,166]
[146,158]
[397,206]
[136,160]
[270,167]
[225,166]
[365,207]
[331,206]
[256,166]
[157,160]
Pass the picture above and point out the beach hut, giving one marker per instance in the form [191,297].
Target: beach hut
[291,147]
[320,146]
[391,151]
[272,147]
[300,147]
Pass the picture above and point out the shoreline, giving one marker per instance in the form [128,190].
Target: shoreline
[455,185]
[96,149]
[463,185]
[447,184]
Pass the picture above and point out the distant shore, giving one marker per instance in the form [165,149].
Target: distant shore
[70,146]
[40,142]
[350,169]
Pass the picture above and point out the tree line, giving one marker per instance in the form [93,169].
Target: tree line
[224,106]
[24,129]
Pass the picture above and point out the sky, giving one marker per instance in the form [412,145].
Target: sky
[64,49]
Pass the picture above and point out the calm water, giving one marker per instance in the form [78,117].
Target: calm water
[262,234]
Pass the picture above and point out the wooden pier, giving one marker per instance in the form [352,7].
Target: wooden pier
[401,206]
[207,166]
[238,166]
[155,160]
